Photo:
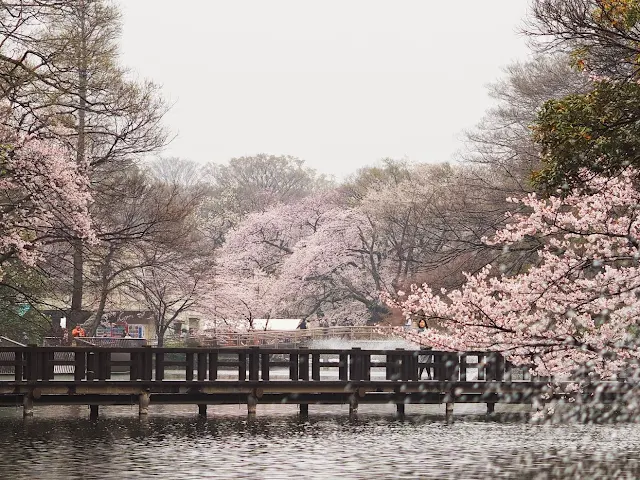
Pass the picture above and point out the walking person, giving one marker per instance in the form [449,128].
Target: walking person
[422,360]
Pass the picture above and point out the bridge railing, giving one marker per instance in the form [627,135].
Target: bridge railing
[90,364]
[291,338]
[8,356]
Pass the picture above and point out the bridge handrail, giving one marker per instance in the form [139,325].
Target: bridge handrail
[294,336]
[12,342]
[38,364]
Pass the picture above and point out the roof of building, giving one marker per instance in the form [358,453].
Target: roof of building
[276,323]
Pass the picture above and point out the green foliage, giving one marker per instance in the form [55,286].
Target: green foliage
[599,130]
[622,15]
[19,321]
[25,327]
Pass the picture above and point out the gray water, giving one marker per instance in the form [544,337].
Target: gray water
[173,443]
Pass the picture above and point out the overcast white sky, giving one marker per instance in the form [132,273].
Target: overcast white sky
[338,83]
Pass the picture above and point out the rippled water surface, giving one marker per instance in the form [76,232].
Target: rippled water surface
[173,443]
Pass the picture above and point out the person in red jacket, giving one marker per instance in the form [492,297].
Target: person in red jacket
[78,331]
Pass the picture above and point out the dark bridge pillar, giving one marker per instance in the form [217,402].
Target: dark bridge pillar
[449,412]
[27,403]
[252,401]
[353,406]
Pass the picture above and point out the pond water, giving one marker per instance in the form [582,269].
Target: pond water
[173,443]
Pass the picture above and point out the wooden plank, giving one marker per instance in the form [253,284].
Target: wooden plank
[343,368]
[366,367]
[103,365]
[500,367]
[315,367]
[189,366]
[463,367]
[159,366]
[31,369]
[264,361]
[202,366]
[390,366]
[441,367]
[451,367]
[91,366]
[254,363]
[304,365]
[213,365]
[412,360]
[49,370]
[80,366]
[294,367]
[482,366]
[147,363]
[242,366]
[355,364]
[134,366]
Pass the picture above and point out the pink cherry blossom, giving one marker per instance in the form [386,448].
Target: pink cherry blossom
[578,306]
[44,197]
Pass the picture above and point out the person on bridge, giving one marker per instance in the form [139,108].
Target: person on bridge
[78,331]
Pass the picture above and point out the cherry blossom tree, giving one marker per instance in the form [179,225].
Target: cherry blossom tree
[43,198]
[256,184]
[337,254]
[264,240]
[313,259]
[336,272]
[234,302]
[252,258]
[577,307]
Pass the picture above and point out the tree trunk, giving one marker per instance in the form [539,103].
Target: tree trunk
[161,333]
[78,251]
[94,321]
[106,279]
[75,314]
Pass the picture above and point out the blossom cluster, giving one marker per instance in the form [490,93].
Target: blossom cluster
[43,195]
[576,308]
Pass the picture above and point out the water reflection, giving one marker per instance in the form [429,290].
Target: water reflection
[174,442]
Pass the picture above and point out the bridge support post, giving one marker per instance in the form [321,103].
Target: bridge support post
[353,407]
[491,408]
[27,403]
[143,402]
[252,404]
[400,410]
[304,410]
[449,412]
[202,409]
[93,412]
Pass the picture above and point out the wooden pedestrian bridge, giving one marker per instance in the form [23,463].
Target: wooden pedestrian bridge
[205,376]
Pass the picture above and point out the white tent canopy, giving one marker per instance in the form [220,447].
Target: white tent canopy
[280,324]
